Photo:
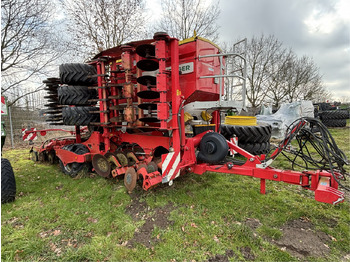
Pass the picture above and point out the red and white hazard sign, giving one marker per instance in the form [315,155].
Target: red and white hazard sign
[27,136]
[3,106]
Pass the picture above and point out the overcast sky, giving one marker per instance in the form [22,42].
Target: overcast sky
[316,28]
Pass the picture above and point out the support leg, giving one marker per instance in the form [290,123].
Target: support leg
[262,186]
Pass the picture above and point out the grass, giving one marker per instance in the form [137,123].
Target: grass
[55,217]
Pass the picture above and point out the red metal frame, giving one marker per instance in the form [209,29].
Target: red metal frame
[116,66]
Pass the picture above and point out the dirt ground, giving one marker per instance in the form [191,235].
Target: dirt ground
[299,238]
[158,217]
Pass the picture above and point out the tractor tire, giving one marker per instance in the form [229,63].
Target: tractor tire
[73,169]
[334,122]
[334,114]
[257,148]
[247,134]
[75,95]
[78,74]
[79,115]
[8,182]
[324,106]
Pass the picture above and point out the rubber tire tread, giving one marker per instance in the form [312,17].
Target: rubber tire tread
[77,74]
[334,114]
[8,182]
[247,134]
[220,151]
[257,148]
[334,122]
[79,115]
[75,95]
[79,149]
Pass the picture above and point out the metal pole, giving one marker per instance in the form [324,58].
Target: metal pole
[220,81]
[244,74]
[11,129]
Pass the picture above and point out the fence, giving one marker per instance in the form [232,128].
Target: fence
[21,118]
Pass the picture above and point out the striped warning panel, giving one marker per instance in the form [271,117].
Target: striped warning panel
[170,166]
[29,136]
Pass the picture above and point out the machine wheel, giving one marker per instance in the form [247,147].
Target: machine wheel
[72,169]
[334,114]
[79,115]
[77,74]
[8,182]
[213,148]
[247,134]
[257,148]
[75,95]
[334,122]
[51,157]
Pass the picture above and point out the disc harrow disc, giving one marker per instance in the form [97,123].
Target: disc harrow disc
[148,94]
[123,160]
[130,179]
[146,50]
[147,80]
[101,165]
[147,65]
[141,166]
[149,119]
[152,167]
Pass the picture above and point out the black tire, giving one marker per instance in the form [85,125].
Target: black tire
[334,114]
[74,168]
[78,74]
[213,148]
[334,122]
[324,106]
[8,182]
[257,148]
[79,115]
[75,95]
[247,134]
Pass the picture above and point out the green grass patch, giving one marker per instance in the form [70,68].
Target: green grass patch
[56,217]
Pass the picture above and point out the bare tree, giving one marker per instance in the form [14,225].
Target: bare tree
[27,46]
[101,24]
[276,74]
[181,18]
[262,52]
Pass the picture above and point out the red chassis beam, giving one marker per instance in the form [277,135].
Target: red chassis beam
[322,182]
[44,131]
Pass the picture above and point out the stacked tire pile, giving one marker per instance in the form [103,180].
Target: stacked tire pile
[77,93]
[254,139]
[334,118]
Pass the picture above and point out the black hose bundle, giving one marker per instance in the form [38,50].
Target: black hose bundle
[325,154]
